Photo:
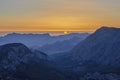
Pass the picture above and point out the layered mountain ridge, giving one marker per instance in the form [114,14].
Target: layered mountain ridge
[31,40]
[96,57]
[44,42]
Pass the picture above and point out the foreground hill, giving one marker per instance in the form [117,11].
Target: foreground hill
[17,62]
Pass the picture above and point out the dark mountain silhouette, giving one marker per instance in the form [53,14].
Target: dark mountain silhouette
[17,62]
[98,52]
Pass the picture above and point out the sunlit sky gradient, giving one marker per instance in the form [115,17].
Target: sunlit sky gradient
[58,15]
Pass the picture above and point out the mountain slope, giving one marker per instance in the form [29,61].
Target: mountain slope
[102,45]
[61,46]
[98,52]
[17,62]
[13,54]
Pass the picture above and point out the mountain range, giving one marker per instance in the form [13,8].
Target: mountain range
[40,41]
[61,46]
[96,57]
[98,52]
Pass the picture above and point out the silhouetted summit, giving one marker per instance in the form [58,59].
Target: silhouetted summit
[105,28]
[17,62]
[14,47]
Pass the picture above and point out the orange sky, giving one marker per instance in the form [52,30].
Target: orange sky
[58,15]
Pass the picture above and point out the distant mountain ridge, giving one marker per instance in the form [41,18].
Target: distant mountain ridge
[37,39]
[61,46]
[40,41]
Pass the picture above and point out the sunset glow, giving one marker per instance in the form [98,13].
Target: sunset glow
[65,32]
[58,15]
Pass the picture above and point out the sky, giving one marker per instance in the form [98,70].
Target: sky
[58,15]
